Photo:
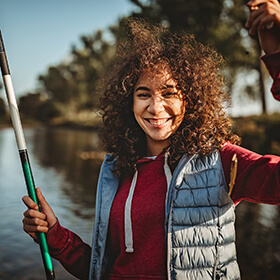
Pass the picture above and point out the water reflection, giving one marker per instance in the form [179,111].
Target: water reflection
[258,245]
[60,149]
[68,183]
[67,175]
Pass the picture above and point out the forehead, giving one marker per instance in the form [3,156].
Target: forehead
[156,78]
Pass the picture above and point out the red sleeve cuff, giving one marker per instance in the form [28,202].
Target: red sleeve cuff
[272,63]
[57,238]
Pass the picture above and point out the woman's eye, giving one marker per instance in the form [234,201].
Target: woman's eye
[143,95]
[170,94]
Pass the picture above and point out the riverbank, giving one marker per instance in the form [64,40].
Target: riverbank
[77,124]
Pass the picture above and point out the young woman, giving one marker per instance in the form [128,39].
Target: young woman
[163,209]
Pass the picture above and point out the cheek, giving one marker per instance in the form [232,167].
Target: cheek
[135,109]
[134,105]
[179,109]
[139,106]
[180,114]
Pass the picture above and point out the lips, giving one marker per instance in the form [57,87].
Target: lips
[158,122]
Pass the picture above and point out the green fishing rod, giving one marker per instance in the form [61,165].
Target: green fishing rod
[15,117]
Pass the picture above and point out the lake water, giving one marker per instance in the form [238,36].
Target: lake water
[66,170]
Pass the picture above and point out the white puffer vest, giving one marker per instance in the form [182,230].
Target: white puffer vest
[200,222]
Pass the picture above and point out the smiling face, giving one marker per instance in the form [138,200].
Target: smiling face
[158,108]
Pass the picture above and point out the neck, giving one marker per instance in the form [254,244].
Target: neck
[155,148]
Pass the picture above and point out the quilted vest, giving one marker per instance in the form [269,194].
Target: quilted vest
[200,222]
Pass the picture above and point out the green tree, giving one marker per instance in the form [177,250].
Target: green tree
[74,84]
[37,106]
[60,87]
[93,60]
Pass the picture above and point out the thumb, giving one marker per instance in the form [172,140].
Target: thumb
[45,208]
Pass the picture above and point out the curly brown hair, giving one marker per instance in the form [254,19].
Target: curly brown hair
[196,69]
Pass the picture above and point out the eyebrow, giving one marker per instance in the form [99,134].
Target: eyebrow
[147,89]
[142,88]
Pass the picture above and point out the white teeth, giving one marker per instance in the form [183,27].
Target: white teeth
[157,122]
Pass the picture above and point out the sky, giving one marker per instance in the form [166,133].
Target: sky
[38,33]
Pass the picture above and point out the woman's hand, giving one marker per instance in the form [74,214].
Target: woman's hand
[265,19]
[35,221]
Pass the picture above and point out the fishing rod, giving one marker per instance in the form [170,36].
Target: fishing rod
[29,180]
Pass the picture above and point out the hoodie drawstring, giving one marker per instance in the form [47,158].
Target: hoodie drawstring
[127,216]
[127,209]
[167,171]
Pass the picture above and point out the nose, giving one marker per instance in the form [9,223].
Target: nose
[156,105]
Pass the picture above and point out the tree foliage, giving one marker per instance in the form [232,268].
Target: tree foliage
[36,106]
[74,84]
[219,23]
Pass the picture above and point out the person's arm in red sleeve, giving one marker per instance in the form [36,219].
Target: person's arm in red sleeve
[264,20]
[272,63]
[69,249]
[64,245]
[258,177]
